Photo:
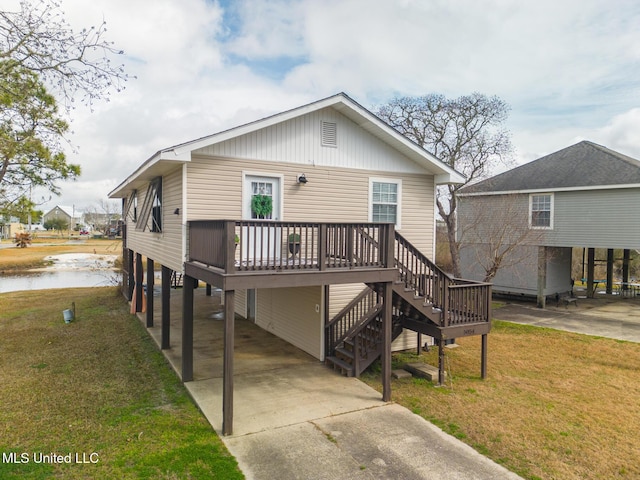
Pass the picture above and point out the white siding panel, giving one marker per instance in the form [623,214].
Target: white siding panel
[299,141]
[290,313]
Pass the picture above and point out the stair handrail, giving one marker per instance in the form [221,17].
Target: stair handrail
[349,318]
[423,276]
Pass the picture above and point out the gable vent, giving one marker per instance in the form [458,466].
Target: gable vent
[329,134]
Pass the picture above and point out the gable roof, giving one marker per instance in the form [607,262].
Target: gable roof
[69,211]
[167,158]
[583,166]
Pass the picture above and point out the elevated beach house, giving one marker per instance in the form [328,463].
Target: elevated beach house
[317,223]
[585,196]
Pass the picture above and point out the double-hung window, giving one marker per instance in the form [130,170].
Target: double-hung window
[541,211]
[385,200]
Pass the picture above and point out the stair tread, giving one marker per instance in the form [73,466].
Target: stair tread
[345,352]
[340,363]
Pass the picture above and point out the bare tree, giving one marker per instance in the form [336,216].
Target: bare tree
[466,133]
[38,38]
[102,214]
[39,53]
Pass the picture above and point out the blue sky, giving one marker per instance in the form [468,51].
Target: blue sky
[569,69]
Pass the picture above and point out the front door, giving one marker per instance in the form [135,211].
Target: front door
[261,187]
[261,201]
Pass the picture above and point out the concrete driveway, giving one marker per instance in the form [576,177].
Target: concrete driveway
[605,316]
[296,419]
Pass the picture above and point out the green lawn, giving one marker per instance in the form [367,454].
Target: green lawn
[95,390]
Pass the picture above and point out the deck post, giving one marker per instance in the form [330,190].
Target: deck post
[322,247]
[150,281]
[229,246]
[542,276]
[483,361]
[227,385]
[386,351]
[188,286]
[441,371]
[139,274]
[131,279]
[389,261]
[166,307]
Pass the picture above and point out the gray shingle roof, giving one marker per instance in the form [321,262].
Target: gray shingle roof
[584,164]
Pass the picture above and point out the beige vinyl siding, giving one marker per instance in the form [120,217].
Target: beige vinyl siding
[164,248]
[331,195]
[241,303]
[290,313]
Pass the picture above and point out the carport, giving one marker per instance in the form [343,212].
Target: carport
[275,382]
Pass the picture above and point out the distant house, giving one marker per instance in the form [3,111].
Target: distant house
[9,228]
[69,214]
[310,221]
[585,196]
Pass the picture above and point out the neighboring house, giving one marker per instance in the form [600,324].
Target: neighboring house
[69,214]
[292,216]
[582,196]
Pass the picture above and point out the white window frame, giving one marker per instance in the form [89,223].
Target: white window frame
[396,181]
[551,215]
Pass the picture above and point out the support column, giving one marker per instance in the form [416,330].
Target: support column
[387,320]
[441,372]
[483,361]
[591,260]
[139,280]
[150,281]
[166,307]
[187,328]
[609,286]
[227,385]
[542,276]
[208,290]
[131,279]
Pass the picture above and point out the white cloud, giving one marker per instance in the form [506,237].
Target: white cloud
[569,69]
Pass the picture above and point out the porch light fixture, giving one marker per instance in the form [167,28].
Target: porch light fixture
[302,179]
[176,211]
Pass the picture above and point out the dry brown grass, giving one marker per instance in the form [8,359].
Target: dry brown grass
[555,405]
[15,259]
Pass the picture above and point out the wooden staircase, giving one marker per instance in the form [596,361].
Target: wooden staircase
[364,343]
[425,300]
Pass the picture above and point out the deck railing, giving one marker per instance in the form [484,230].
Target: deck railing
[255,245]
[461,301]
[350,317]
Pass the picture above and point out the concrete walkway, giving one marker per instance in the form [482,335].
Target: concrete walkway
[296,419]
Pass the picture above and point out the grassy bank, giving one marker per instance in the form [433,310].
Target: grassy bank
[555,405]
[15,260]
[99,388]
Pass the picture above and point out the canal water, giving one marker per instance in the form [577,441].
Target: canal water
[67,271]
